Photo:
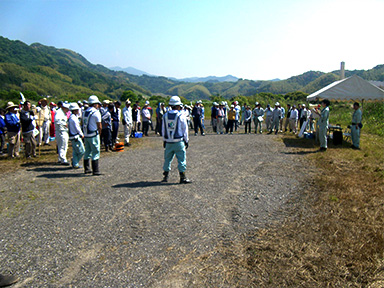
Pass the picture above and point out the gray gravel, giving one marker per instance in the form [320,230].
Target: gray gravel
[126,229]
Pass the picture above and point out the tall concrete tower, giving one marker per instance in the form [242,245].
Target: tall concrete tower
[342,70]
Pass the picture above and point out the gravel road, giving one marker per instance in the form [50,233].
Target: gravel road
[126,229]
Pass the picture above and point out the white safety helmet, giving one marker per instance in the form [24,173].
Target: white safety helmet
[146,102]
[73,106]
[93,99]
[175,101]
[257,103]
[277,104]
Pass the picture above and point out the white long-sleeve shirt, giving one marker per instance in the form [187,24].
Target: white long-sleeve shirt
[127,115]
[74,126]
[61,120]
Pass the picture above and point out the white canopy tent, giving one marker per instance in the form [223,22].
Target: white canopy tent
[351,88]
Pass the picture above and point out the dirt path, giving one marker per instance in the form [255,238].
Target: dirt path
[126,229]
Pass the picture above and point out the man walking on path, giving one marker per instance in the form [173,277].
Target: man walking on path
[356,125]
[92,129]
[175,137]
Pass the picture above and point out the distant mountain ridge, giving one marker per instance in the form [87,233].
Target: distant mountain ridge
[212,79]
[51,71]
[131,70]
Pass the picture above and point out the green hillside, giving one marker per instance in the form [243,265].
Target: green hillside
[42,70]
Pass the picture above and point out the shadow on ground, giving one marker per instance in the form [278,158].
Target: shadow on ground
[143,184]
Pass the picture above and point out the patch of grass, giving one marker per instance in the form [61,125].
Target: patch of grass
[336,237]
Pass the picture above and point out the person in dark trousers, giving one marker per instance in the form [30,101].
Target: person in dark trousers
[3,130]
[197,115]
[115,123]
[106,127]
[27,119]
[247,119]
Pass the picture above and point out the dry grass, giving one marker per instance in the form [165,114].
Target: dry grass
[335,237]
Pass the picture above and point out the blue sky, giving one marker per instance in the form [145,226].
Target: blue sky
[255,39]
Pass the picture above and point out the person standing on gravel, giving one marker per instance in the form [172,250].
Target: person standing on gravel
[28,123]
[198,115]
[127,122]
[276,116]
[293,116]
[258,114]
[12,123]
[62,137]
[92,129]
[175,137]
[75,135]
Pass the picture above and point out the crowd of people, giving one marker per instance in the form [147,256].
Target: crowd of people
[38,125]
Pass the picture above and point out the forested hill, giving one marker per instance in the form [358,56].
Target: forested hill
[62,72]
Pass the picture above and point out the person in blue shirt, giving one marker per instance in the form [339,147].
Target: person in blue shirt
[175,137]
[12,122]
[3,130]
[198,116]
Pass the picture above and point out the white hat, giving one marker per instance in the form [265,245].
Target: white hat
[303,105]
[73,106]
[93,99]
[175,101]
[257,103]
[65,105]
[127,102]
[277,104]
[146,102]
[232,106]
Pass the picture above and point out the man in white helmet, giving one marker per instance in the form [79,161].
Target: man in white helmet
[175,137]
[127,122]
[276,116]
[62,137]
[75,135]
[92,129]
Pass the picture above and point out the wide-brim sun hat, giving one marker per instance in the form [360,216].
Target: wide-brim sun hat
[11,105]
[74,106]
[93,99]
[65,105]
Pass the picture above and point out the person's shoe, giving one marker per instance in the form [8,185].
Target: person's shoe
[203,134]
[165,178]
[87,168]
[7,280]
[355,148]
[322,149]
[128,144]
[47,144]
[195,134]
[276,132]
[95,167]
[184,179]
[65,163]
